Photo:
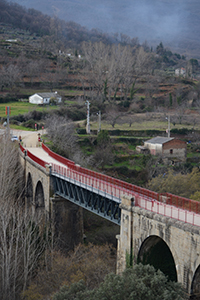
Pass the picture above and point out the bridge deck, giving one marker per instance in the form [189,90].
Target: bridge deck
[39,152]
[169,205]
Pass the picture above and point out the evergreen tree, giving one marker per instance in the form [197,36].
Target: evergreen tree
[142,282]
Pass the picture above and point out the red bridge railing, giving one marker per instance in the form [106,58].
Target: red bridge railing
[100,177]
[184,203]
[36,159]
[166,204]
[77,175]
[21,148]
[58,157]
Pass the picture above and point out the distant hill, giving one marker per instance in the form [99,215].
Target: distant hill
[65,35]
[176,23]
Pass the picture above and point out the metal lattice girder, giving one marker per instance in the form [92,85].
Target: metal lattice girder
[91,199]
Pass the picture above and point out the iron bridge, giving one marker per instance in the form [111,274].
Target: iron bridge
[88,197]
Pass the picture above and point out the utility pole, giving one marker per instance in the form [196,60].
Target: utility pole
[88,116]
[168,130]
[8,110]
[169,126]
[99,114]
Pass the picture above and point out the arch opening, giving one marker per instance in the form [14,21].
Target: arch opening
[39,201]
[39,195]
[29,192]
[195,287]
[155,251]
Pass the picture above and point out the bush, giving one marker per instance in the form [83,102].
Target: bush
[182,131]
[125,104]
[141,283]
[76,114]
[36,115]
[29,124]
[81,130]
[20,118]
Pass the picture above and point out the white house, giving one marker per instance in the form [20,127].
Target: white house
[180,72]
[44,98]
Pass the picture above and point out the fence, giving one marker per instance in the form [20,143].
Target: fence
[167,204]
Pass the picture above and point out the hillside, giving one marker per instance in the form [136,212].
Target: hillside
[175,23]
[39,53]
[66,34]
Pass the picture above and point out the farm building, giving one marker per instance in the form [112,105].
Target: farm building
[180,72]
[44,98]
[167,147]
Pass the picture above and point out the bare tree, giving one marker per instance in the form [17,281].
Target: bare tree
[21,247]
[112,116]
[11,174]
[143,62]
[8,76]
[130,119]
[62,133]
[103,154]
[111,69]
[180,113]
[152,84]
[21,244]
[121,70]
[34,68]
[97,57]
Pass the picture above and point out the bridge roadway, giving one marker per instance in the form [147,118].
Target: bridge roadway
[172,206]
[81,189]
[43,155]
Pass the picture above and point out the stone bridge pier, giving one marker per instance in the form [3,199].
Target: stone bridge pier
[64,218]
[169,245]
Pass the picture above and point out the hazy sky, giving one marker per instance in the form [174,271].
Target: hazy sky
[146,19]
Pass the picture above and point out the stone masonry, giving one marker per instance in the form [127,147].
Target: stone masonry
[183,240]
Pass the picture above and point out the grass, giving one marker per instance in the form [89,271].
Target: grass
[193,154]
[22,108]
[144,125]
[20,127]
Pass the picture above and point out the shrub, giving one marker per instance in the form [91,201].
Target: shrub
[141,283]
[29,124]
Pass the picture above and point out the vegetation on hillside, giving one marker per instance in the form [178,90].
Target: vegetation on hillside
[65,34]
[141,283]
[88,263]
[185,185]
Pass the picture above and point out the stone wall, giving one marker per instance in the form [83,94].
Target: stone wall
[66,219]
[38,173]
[183,240]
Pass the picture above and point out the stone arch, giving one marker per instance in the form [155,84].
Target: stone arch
[29,192]
[195,286]
[39,195]
[39,200]
[155,251]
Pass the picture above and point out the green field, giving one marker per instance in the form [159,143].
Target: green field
[22,108]
[153,123]
[144,125]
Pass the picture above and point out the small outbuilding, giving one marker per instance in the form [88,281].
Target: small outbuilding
[44,98]
[142,150]
[167,147]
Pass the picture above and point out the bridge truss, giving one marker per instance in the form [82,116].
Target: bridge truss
[101,194]
[88,197]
